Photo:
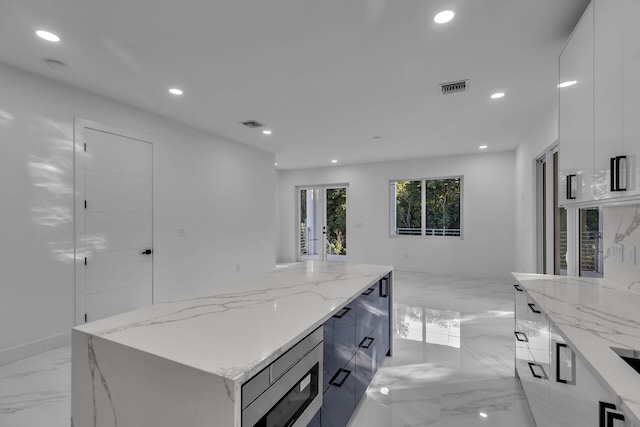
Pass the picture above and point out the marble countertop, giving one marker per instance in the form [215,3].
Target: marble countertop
[594,315]
[241,326]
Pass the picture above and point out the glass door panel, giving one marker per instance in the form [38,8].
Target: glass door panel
[310,224]
[336,224]
[322,213]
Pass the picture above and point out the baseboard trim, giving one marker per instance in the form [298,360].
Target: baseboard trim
[35,347]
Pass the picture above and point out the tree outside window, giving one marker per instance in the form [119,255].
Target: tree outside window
[441,199]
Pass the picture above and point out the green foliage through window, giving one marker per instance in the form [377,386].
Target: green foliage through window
[442,207]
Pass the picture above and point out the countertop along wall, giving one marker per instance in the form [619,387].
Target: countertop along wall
[489,220]
[222,193]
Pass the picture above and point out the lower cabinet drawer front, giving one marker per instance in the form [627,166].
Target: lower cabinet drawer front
[339,342]
[535,383]
[366,366]
[338,402]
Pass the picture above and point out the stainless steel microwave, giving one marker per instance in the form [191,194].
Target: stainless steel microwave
[288,392]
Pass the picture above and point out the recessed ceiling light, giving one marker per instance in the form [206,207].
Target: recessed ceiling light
[266,132]
[567,83]
[48,36]
[444,17]
[497,95]
[482,147]
[276,164]
[334,161]
[175,91]
[483,415]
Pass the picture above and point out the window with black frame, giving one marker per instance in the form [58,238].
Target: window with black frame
[426,207]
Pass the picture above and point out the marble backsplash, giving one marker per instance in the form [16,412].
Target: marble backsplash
[621,234]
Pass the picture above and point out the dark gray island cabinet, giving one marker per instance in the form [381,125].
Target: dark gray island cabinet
[294,347]
[356,340]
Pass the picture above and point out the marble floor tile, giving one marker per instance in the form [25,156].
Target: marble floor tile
[36,391]
[453,363]
[453,359]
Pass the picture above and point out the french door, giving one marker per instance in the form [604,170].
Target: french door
[322,223]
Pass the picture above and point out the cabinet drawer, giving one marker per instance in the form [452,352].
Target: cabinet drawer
[339,341]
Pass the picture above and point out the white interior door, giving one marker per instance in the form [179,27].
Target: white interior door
[116,237]
[322,224]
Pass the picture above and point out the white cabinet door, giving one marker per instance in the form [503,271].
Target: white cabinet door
[608,93]
[538,366]
[562,382]
[576,110]
[631,93]
[575,392]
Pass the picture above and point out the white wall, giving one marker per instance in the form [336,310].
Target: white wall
[489,220]
[222,193]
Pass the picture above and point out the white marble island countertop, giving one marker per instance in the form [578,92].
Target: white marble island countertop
[241,326]
[594,315]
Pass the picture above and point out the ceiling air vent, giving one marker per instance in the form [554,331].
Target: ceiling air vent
[252,124]
[454,87]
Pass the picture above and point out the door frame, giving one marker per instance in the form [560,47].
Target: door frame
[79,247]
[323,188]
[546,192]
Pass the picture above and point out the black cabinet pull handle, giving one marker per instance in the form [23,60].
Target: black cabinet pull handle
[570,180]
[368,291]
[342,312]
[559,346]
[146,252]
[518,288]
[615,173]
[519,334]
[543,376]
[362,345]
[333,381]
[384,287]
[533,308]
[607,414]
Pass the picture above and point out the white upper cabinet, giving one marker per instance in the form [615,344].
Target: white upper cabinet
[607,93]
[599,115]
[576,111]
[631,92]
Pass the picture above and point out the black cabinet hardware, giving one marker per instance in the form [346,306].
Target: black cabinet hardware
[618,178]
[340,383]
[571,186]
[147,252]
[384,287]
[521,337]
[536,365]
[518,288]
[362,344]
[608,413]
[560,347]
[368,291]
[533,308]
[342,312]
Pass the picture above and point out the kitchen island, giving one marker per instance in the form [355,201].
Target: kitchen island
[184,362]
[570,335]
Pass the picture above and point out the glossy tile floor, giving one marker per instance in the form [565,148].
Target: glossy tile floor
[453,363]
[452,366]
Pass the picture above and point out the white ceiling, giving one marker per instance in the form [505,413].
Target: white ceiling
[327,76]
